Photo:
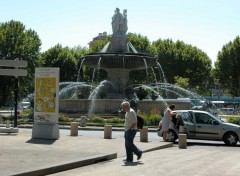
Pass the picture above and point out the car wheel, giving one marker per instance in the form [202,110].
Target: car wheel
[230,138]
[171,136]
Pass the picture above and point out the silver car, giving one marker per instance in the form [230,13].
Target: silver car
[203,125]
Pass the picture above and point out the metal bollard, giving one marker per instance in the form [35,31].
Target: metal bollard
[83,121]
[74,129]
[144,134]
[182,141]
[108,132]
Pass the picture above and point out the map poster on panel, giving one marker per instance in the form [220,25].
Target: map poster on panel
[46,102]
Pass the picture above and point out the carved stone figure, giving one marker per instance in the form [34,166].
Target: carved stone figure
[123,26]
[119,39]
[119,22]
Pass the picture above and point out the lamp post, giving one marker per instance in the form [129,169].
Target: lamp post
[239,85]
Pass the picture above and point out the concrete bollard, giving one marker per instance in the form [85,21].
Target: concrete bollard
[144,134]
[83,121]
[8,124]
[108,132]
[74,129]
[182,141]
[182,129]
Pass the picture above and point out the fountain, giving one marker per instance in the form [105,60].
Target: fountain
[118,58]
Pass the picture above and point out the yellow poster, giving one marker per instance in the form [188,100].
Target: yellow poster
[45,94]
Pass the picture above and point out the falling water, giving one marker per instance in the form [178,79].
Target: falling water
[161,73]
[104,87]
[70,90]
[155,78]
[146,68]
[105,48]
[94,97]
[96,70]
[79,70]
[132,47]
[180,92]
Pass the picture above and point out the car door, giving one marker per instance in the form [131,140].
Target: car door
[206,126]
[189,124]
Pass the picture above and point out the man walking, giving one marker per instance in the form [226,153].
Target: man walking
[130,132]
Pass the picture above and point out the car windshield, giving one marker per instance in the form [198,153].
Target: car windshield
[218,118]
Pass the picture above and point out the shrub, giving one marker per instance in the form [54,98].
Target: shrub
[235,120]
[115,120]
[97,120]
[63,118]
[151,118]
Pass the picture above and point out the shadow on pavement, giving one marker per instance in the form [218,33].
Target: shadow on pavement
[135,163]
[208,143]
[41,141]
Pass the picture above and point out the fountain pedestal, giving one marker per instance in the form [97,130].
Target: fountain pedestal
[119,43]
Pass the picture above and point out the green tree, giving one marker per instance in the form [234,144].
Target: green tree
[182,60]
[227,67]
[182,82]
[88,72]
[140,43]
[65,59]
[18,42]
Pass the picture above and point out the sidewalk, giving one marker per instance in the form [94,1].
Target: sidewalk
[22,155]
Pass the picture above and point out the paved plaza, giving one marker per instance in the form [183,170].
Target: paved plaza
[22,155]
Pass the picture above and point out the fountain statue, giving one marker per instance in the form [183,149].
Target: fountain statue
[118,58]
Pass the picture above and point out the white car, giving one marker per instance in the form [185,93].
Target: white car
[205,126]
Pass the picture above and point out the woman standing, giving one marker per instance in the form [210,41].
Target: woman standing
[167,117]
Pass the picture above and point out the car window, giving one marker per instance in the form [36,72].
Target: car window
[202,118]
[187,117]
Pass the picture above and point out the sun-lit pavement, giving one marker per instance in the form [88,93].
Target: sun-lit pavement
[197,160]
[21,154]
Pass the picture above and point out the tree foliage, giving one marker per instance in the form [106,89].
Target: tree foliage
[140,43]
[182,82]
[185,61]
[66,59]
[18,42]
[227,67]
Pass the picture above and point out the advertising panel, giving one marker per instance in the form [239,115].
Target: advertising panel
[46,102]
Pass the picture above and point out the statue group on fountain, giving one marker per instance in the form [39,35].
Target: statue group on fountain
[119,22]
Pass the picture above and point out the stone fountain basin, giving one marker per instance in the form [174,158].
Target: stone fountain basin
[133,61]
[113,105]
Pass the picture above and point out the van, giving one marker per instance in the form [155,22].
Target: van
[227,110]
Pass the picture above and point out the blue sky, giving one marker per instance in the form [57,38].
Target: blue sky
[206,24]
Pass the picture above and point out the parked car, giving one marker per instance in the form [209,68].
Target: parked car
[227,111]
[205,126]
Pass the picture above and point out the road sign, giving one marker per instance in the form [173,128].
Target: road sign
[13,72]
[13,63]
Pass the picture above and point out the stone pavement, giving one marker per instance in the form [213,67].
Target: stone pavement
[196,160]
[22,155]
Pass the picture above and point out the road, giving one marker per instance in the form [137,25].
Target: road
[152,136]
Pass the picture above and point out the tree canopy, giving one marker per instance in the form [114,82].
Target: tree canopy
[18,42]
[183,60]
[227,67]
[65,58]
[182,64]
